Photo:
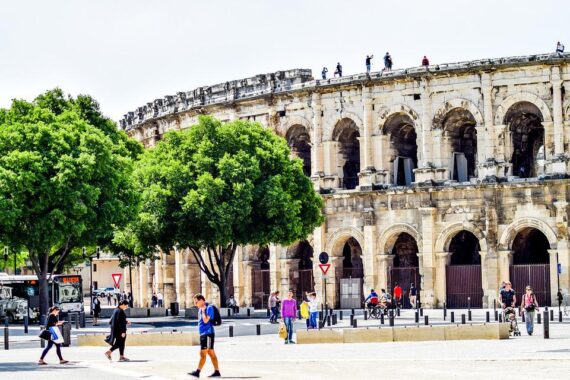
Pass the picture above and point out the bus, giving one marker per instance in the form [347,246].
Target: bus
[20,295]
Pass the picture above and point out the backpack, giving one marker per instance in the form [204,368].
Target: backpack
[217,320]
[304,310]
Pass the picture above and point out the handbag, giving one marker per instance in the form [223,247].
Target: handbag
[108,340]
[282,331]
[45,335]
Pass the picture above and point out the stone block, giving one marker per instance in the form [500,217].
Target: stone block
[470,332]
[319,336]
[144,339]
[419,334]
[368,335]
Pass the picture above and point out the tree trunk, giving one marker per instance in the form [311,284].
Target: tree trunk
[42,274]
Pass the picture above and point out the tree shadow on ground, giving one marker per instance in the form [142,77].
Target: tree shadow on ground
[34,367]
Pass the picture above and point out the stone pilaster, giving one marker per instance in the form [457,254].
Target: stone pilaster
[317,167]
[369,257]
[440,285]
[366,176]
[385,264]
[562,246]
[275,267]
[247,283]
[504,260]
[142,294]
[427,258]
[553,253]
[489,278]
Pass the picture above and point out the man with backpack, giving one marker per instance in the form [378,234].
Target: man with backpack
[208,317]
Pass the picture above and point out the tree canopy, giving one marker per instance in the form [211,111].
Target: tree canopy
[219,185]
[64,182]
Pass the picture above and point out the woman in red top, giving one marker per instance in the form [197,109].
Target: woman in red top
[529,305]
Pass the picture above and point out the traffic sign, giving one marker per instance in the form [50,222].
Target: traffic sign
[324,258]
[117,279]
[324,268]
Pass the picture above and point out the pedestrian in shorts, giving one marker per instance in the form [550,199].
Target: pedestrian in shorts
[207,335]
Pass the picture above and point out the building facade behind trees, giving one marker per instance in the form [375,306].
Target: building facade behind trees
[454,178]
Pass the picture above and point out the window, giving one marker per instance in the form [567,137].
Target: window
[94,267]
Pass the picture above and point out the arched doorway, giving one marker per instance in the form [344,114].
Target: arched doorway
[299,141]
[350,275]
[524,121]
[403,148]
[464,283]
[261,280]
[531,264]
[347,135]
[405,270]
[301,272]
[461,135]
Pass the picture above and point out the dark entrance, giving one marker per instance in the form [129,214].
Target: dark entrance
[403,148]
[300,143]
[406,267]
[351,268]
[346,133]
[464,285]
[531,265]
[261,280]
[301,279]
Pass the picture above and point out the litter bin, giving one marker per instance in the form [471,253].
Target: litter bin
[66,332]
[174,308]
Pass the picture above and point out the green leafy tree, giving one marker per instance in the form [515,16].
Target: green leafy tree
[217,186]
[64,182]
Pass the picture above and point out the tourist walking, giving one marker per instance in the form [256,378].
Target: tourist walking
[338,70]
[272,305]
[289,314]
[324,73]
[397,295]
[53,321]
[559,298]
[207,335]
[425,61]
[118,335]
[96,306]
[413,293]
[154,300]
[369,63]
[160,299]
[559,49]
[387,62]
[109,299]
[529,306]
[313,310]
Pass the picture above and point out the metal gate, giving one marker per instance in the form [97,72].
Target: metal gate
[302,281]
[404,277]
[535,275]
[261,287]
[350,293]
[464,286]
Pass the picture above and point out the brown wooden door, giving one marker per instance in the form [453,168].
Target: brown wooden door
[261,287]
[302,281]
[404,276]
[464,286]
[535,275]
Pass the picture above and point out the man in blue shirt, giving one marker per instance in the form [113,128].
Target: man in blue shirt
[207,334]
[373,297]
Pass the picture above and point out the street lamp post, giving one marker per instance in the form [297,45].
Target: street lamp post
[97,253]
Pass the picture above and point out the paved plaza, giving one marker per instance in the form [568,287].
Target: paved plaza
[266,357]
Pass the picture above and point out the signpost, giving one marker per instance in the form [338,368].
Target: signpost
[116,279]
[325,266]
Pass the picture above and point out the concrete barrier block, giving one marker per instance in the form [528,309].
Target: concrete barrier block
[156,312]
[319,336]
[191,313]
[144,339]
[419,334]
[372,335]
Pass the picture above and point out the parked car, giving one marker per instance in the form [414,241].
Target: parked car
[104,292]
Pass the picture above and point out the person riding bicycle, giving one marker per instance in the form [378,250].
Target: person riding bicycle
[385,300]
[372,299]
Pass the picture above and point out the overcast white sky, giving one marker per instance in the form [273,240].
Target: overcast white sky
[128,52]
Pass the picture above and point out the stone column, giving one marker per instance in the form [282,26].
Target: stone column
[440,288]
[505,259]
[489,278]
[151,277]
[168,267]
[385,264]
[562,245]
[238,274]
[366,175]
[553,253]
[284,283]
[427,258]
[158,274]
[317,168]
[427,120]
[142,295]
[179,288]
[247,283]
[369,257]
[274,267]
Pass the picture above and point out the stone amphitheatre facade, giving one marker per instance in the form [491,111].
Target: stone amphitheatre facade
[452,176]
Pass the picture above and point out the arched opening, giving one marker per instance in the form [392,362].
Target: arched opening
[464,283]
[299,142]
[350,275]
[524,121]
[347,135]
[261,280]
[403,148]
[405,270]
[301,272]
[531,264]
[459,130]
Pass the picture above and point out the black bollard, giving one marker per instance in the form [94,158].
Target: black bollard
[82,315]
[452,320]
[365,315]
[487,317]
[546,325]
[426,320]
[444,311]
[398,312]
[354,324]
[229,312]
[391,318]
[462,319]
[25,324]
[500,318]
[469,315]
[496,315]
[417,317]
[248,312]
[328,320]
[6,336]
[421,312]
[231,331]
[351,319]
[258,328]
[69,319]
[77,321]
[321,324]
[321,315]
[551,315]
[334,319]
[495,305]
[340,315]
[352,311]
[559,316]
[268,312]
[538,318]
[381,317]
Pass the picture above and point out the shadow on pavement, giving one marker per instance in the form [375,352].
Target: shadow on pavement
[561,350]
[32,366]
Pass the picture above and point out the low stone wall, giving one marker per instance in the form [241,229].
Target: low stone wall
[137,312]
[404,334]
[144,339]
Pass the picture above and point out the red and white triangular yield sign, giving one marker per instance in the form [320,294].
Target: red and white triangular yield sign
[324,268]
[117,279]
